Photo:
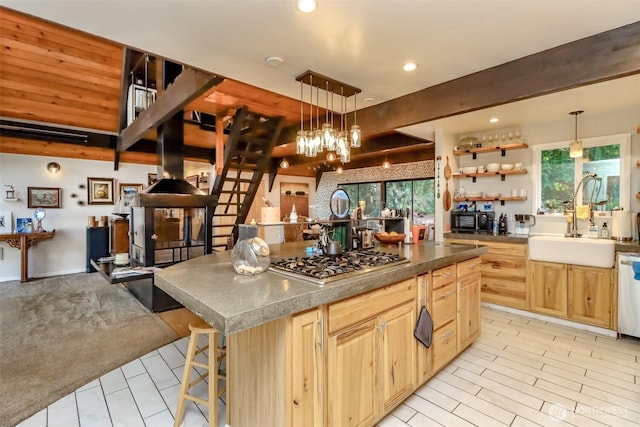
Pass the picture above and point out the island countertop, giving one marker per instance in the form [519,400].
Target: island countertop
[209,287]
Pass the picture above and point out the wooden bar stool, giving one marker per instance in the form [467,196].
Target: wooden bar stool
[216,356]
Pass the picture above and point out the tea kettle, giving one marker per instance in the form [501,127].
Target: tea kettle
[328,245]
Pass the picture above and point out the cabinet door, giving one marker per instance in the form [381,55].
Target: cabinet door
[468,328]
[307,369]
[444,345]
[549,288]
[352,361]
[423,353]
[398,364]
[589,295]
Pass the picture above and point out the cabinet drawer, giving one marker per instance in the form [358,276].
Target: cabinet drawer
[443,305]
[444,345]
[356,309]
[505,248]
[469,266]
[443,276]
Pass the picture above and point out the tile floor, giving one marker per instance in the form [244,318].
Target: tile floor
[520,372]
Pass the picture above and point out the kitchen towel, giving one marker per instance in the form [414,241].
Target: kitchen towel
[582,212]
[424,328]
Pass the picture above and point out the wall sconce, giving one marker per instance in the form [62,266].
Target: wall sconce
[284,163]
[53,167]
[386,164]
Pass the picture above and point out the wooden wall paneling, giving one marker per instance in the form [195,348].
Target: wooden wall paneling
[39,148]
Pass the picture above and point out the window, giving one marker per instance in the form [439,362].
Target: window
[558,174]
[416,195]
[369,192]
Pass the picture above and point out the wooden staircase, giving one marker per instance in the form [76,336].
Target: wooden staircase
[247,155]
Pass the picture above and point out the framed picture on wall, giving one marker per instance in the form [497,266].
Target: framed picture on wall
[100,191]
[43,197]
[127,193]
[6,221]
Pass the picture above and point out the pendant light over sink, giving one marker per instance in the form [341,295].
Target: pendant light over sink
[575,147]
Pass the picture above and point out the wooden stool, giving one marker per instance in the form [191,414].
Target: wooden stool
[216,356]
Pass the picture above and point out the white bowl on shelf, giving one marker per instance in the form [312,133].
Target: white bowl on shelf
[493,167]
[506,166]
[471,194]
[493,195]
[469,169]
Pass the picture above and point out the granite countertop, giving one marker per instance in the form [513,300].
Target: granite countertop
[509,238]
[209,287]
[621,246]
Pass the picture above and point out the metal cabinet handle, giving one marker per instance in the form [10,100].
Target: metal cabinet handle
[321,327]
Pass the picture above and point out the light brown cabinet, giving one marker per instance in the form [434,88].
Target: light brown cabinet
[548,292]
[371,365]
[398,367]
[579,293]
[307,373]
[504,274]
[468,299]
[423,354]
[590,295]
[349,363]
[444,313]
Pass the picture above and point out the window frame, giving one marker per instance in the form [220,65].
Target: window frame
[624,140]
[383,189]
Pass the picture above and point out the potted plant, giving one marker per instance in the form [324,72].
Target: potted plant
[553,205]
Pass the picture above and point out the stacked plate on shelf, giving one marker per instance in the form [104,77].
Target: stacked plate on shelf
[472,194]
[493,195]
[493,167]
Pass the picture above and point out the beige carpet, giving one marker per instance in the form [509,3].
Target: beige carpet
[59,333]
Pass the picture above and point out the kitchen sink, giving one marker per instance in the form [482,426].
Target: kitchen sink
[570,250]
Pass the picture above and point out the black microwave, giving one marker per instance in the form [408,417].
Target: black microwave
[472,222]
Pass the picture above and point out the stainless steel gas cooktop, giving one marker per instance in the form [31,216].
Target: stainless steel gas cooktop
[321,269]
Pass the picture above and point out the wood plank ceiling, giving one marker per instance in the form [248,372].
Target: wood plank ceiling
[65,78]
[52,75]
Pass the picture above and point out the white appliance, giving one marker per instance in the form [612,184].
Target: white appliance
[273,233]
[628,295]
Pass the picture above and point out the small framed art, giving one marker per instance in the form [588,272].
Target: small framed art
[127,193]
[43,197]
[100,191]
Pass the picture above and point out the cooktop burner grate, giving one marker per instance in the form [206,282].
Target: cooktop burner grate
[321,269]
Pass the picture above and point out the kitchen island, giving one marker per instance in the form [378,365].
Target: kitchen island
[342,353]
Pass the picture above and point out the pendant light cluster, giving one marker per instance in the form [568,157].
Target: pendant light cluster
[316,139]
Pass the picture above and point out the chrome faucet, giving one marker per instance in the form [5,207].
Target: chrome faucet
[574,225]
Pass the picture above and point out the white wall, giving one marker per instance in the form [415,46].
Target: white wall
[589,126]
[65,253]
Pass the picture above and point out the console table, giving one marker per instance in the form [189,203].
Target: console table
[24,241]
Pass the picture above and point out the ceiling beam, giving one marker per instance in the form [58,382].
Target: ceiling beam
[187,87]
[605,56]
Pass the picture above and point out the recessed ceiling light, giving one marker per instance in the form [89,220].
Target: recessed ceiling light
[274,61]
[306,6]
[494,120]
[410,66]
[369,99]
